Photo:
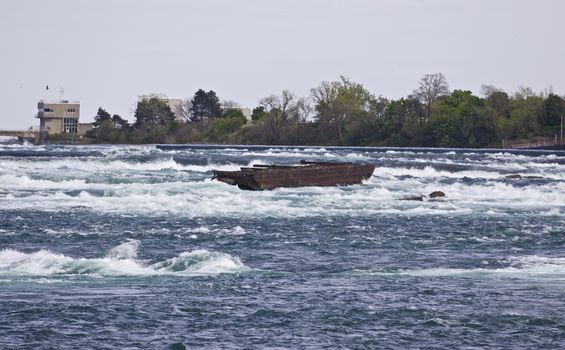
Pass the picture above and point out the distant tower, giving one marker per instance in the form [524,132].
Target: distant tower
[62,92]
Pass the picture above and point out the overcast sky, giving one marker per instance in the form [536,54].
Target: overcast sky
[107,53]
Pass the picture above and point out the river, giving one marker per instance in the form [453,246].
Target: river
[136,247]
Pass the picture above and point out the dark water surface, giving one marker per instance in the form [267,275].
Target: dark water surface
[135,247]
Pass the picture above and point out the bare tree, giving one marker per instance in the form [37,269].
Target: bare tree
[523,93]
[303,110]
[184,110]
[229,104]
[488,90]
[432,87]
[280,109]
[325,95]
[152,95]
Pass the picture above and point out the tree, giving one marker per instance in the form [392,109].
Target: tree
[184,110]
[234,113]
[336,102]
[553,110]
[107,133]
[205,105]
[524,117]
[280,110]
[401,124]
[199,107]
[100,117]
[232,120]
[365,127]
[523,92]
[258,114]
[153,111]
[497,100]
[214,107]
[119,122]
[489,90]
[228,104]
[431,88]
[465,120]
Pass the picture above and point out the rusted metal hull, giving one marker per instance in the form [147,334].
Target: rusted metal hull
[268,177]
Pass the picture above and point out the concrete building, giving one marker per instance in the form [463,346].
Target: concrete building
[57,117]
[83,128]
[246,112]
[176,105]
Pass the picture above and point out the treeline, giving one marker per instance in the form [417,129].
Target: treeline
[343,112]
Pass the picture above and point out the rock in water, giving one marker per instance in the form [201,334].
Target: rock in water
[437,194]
[514,176]
[415,198]
[519,177]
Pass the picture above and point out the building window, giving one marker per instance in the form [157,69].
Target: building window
[47,109]
[71,110]
[70,125]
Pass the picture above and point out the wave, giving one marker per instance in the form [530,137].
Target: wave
[127,184]
[25,182]
[120,261]
[282,154]
[519,267]
[431,172]
[492,171]
[214,199]
[97,165]
[305,153]
[173,186]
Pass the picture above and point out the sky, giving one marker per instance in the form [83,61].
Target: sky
[106,53]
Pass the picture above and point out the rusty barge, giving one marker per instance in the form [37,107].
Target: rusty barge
[267,177]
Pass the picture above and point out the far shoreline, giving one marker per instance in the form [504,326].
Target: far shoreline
[557,147]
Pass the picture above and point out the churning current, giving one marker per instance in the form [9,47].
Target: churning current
[131,247]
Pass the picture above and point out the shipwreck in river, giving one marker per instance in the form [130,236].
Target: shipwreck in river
[267,177]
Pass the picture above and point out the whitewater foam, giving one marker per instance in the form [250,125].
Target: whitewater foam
[126,250]
[164,186]
[214,199]
[120,261]
[96,165]
[518,267]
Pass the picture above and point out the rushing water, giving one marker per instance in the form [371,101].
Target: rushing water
[136,247]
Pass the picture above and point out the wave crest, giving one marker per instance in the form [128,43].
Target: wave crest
[520,267]
[120,261]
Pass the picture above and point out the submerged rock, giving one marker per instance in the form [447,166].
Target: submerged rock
[437,194]
[519,177]
[514,176]
[420,198]
[414,198]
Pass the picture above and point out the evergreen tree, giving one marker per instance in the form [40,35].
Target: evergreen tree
[551,115]
[205,105]
[234,113]
[119,122]
[258,114]
[214,107]
[152,111]
[100,117]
